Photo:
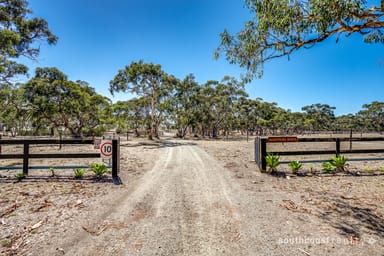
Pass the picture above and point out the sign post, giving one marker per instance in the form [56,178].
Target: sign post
[109,150]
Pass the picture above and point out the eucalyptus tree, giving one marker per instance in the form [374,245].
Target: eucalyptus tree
[373,114]
[241,113]
[278,28]
[265,116]
[54,101]
[185,105]
[12,111]
[148,81]
[218,101]
[19,36]
[321,115]
[131,114]
[346,123]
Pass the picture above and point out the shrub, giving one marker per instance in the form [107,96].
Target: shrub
[272,162]
[52,169]
[99,169]
[328,167]
[20,176]
[339,163]
[79,173]
[295,166]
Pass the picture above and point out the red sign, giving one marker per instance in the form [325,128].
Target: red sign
[106,149]
[282,139]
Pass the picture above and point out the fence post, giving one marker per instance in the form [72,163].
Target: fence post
[116,161]
[26,158]
[263,149]
[257,151]
[337,146]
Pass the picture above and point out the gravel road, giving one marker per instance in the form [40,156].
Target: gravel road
[183,206]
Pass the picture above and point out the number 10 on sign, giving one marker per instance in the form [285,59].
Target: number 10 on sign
[106,149]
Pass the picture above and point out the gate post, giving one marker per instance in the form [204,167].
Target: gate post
[337,146]
[26,158]
[257,151]
[261,153]
[116,161]
[263,149]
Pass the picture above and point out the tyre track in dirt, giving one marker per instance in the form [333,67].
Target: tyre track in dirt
[183,206]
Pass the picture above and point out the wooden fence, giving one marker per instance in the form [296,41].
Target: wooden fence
[261,149]
[26,155]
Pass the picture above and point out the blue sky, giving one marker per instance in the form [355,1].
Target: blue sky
[97,38]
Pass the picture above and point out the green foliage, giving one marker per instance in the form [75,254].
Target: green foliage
[381,169]
[52,169]
[295,166]
[280,27]
[272,162]
[372,116]
[339,162]
[152,84]
[368,169]
[99,169]
[19,33]
[328,167]
[79,173]
[56,102]
[321,116]
[20,176]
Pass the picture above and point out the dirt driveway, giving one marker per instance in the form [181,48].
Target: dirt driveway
[190,202]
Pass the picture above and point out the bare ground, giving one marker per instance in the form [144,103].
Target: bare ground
[192,198]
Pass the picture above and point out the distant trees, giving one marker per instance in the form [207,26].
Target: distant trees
[372,116]
[185,103]
[49,101]
[214,108]
[12,108]
[131,115]
[320,117]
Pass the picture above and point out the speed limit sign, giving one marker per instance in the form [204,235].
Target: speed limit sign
[106,149]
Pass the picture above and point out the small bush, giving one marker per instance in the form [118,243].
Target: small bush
[328,167]
[295,166]
[20,176]
[272,162]
[339,163]
[79,173]
[52,169]
[99,169]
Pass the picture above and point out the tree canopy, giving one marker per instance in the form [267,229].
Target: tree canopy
[19,33]
[149,82]
[280,27]
[53,101]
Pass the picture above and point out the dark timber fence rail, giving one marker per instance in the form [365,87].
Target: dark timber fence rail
[261,148]
[26,155]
